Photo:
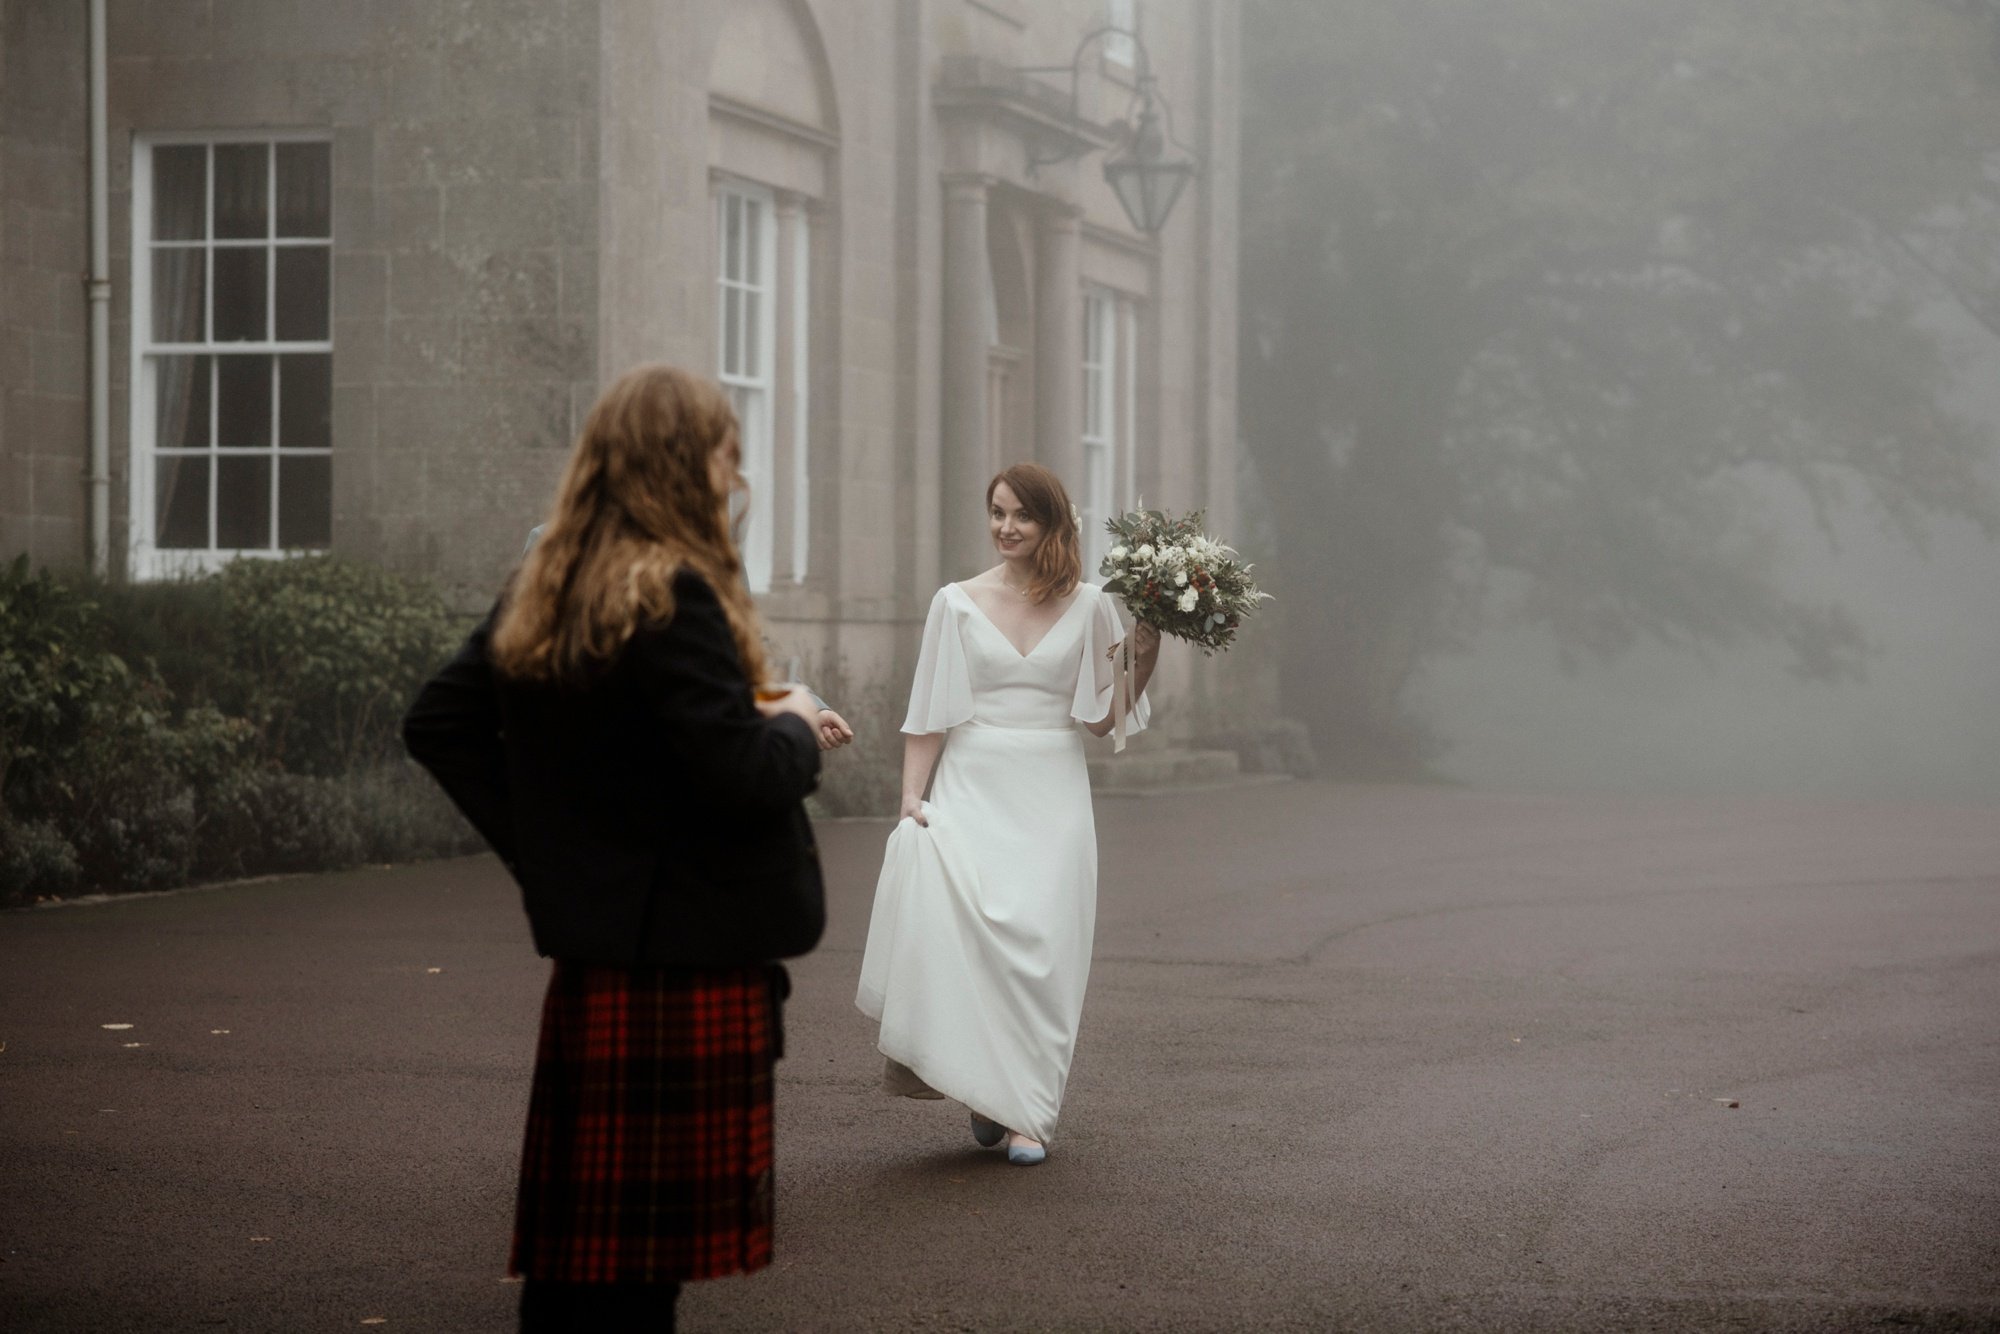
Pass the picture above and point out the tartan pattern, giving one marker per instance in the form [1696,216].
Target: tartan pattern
[648,1153]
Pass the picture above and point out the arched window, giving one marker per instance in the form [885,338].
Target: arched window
[772,141]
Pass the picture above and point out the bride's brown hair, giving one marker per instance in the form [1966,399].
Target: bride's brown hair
[636,506]
[1059,559]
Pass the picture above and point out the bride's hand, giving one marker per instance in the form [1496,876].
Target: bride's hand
[913,809]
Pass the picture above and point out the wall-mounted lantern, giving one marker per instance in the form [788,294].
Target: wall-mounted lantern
[1149,168]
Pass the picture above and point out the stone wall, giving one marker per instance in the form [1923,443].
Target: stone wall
[44,257]
[465,240]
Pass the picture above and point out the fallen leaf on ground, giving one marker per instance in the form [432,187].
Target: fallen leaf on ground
[1729,1102]
[218,1030]
[131,1044]
[434,970]
[115,1026]
[376,1320]
[260,1238]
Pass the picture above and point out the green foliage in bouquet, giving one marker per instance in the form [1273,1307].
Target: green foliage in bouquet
[1178,579]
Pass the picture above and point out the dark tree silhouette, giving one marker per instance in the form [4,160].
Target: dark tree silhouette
[1546,294]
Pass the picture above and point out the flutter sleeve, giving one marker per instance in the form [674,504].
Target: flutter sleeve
[1096,675]
[941,694]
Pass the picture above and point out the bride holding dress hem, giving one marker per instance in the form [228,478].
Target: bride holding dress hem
[979,942]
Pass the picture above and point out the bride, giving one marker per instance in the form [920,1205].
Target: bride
[979,944]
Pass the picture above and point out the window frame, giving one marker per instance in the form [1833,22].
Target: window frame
[145,558]
[758,427]
[1108,437]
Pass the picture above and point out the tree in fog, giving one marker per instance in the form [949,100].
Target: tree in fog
[1546,294]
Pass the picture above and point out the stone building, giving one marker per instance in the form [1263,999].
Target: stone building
[370,261]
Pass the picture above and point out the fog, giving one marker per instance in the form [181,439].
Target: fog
[1924,723]
[1623,385]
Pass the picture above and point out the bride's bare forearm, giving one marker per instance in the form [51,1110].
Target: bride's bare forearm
[920,756]
[1142,671]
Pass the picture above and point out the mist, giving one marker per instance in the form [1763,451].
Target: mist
[1623,382]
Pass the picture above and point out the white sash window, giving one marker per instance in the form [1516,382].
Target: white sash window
[232,385]
[746,341]
[1110,336]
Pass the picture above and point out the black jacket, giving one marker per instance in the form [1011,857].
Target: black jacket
[653,818]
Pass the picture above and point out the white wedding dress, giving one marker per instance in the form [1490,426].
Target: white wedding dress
[979,944]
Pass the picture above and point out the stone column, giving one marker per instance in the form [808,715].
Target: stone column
[1059,344]
[962,439]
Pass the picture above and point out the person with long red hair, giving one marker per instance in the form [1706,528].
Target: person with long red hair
[979,941]
[601,728]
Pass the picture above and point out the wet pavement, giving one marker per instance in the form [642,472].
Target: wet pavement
[1370,1058]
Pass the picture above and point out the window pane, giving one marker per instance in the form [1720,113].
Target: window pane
[243,502]
[243,403]
[305,501]
[732,236]
[178,295]
[180,192]
[180,503]
[305,176]
[181,393]
[305,402]
[753,344]
[753,250]
[242,190]
[240,296]
[732,330]
[302,293]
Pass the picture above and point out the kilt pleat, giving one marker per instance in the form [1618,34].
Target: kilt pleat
[648,1149]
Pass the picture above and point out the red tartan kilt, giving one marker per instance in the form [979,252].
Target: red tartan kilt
[648,1154]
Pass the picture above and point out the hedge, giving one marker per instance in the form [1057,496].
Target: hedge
[156,734]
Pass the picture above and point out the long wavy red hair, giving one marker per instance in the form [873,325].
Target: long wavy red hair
[1059,558]
[637,504]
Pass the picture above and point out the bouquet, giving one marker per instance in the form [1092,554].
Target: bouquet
[1178,579]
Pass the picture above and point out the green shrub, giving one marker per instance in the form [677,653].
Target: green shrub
[401,814]
[262,821]
[329,653]
[36,862]
[266,820]
[56,678]
[236,724]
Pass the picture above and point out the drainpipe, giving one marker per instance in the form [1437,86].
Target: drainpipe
[100,307]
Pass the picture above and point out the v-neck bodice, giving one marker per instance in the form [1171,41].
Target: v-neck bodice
[969,672]
[1075,597]
[1015,689]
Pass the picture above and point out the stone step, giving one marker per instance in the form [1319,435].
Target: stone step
[1164,768]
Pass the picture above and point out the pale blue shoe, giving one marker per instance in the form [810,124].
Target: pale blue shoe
[987,1133]
[1026,1155]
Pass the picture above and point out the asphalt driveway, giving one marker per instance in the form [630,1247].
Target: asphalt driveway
[1353,1058]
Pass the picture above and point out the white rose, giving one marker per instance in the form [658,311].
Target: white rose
[1119,553]
[1180,580]
[1188,599]
[1145,551]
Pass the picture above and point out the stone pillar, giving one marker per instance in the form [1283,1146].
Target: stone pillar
[965,466]
[1059,344]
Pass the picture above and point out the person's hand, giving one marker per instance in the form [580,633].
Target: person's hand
[913,809]
[797,701]
[832,730]
[1145,643]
